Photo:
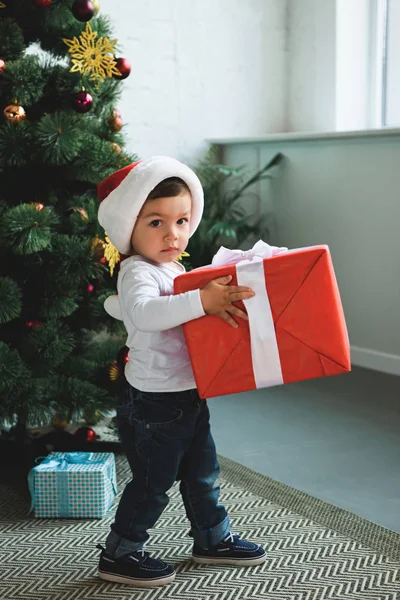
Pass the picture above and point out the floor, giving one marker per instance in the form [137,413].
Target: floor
[336,438]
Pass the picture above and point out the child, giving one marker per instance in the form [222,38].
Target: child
[149,210]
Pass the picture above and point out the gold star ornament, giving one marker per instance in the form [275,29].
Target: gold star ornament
[92,57]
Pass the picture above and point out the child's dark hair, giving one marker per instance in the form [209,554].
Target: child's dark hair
[173,186]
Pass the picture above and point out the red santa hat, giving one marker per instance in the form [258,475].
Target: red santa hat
[123,194]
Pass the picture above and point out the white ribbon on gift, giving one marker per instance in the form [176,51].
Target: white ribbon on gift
[250,273]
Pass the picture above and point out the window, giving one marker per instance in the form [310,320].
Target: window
[387,61]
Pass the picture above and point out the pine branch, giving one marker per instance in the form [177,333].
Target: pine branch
[15,144]
[11,39]
[72,395]
[58,307]
[14,373]
[45,349]
[74,257]
[10,300]
[26,229]
[25,79]
[59,138]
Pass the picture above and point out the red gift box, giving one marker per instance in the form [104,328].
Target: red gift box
[309,336]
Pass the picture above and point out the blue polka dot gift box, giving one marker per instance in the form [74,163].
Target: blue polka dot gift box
[73,485]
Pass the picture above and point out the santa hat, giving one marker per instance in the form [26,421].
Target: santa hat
[123,194]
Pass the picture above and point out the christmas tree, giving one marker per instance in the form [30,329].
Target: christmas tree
[60,136]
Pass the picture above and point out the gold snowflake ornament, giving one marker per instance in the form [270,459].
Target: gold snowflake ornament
[88,56]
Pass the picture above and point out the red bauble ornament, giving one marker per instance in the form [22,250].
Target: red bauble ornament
[90,288]
[2,65]
[42,3]
[124,67]
[118,124]
[33,324]
[86,433]
[83,10]
[122,357]
[82,102]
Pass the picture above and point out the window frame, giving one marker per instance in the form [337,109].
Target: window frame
[378,33]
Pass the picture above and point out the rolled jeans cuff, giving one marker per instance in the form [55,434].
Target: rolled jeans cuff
[117,546]
[211,537]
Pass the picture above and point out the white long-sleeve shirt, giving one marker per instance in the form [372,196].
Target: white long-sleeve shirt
[158,357]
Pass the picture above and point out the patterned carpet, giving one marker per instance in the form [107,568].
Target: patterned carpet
[315,550]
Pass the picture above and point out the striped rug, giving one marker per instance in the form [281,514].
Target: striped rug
[315,551]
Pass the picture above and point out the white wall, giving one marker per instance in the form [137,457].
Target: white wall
[226,69]
[332,53]
[200,69]
[311,82]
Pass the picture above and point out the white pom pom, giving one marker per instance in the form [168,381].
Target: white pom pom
[113,308]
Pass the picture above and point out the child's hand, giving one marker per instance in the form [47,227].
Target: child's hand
[217,297]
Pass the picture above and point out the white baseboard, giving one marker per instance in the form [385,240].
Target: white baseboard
[373,359]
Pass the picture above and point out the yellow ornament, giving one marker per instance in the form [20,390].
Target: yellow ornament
[96,6]
[14,112]
[113,370]
[97,246]
[116,147]
[2,5]
[181,256]
[111,254]
[90,57]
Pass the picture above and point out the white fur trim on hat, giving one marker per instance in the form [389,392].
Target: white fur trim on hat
[119,210]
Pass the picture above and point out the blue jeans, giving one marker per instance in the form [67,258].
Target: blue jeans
[166,438]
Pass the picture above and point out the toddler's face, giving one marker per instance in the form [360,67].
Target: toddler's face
[161,231]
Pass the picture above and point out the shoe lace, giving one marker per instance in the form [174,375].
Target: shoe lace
[230,538]
[140,552]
